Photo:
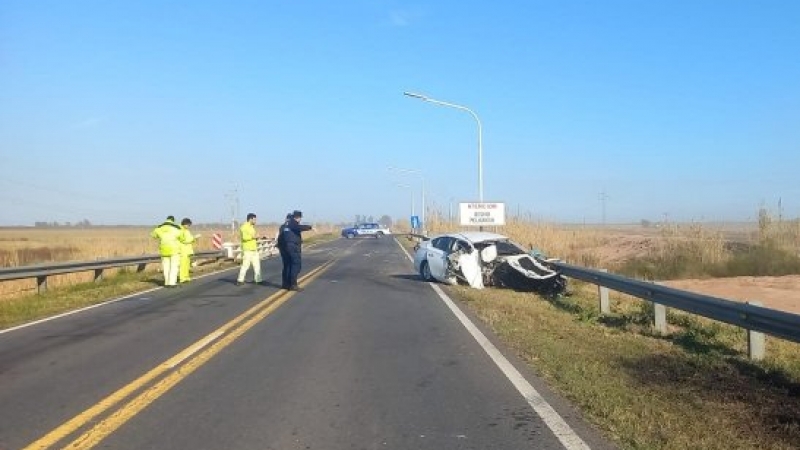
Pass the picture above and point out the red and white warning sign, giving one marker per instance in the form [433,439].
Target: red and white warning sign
[216,240]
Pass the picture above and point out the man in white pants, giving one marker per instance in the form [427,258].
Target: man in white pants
[250,256]
[170,249]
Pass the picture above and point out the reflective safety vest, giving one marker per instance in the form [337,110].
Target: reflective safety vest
[187,240]
[168,233]
[248,234]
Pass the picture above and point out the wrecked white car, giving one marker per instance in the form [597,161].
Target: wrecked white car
[481,259]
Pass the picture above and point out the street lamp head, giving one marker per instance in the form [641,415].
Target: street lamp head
[415,95]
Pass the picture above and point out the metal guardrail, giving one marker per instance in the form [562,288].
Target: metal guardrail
[266,247]
[42,271]
[751,317]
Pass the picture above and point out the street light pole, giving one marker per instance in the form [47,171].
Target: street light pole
[480,132]
[422,177]
[412,197]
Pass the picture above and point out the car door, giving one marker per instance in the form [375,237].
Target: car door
[437,256]
[364,230]
[469,263]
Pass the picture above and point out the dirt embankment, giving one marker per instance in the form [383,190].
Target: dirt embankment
[774,292]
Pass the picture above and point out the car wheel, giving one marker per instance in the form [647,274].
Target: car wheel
[425,271]
[350,235]
[379,234]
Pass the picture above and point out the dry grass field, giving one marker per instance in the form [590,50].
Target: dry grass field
[26,246]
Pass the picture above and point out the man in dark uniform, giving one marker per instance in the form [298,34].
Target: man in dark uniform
[281,244]
[293,242]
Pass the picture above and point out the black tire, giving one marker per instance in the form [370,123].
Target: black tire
[425,271]
[379,234]
[350,235]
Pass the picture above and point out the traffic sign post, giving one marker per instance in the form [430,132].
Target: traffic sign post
[415,223]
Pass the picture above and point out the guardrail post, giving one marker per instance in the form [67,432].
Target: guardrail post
[228,248]
[660,316]
[98,275]
[41,283]
[602,291]
[756,345]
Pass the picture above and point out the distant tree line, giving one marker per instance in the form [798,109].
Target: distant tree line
[82,224]
[384,220]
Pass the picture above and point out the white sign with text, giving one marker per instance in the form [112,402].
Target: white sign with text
[482,213]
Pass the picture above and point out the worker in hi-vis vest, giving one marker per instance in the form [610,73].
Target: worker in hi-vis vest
[187,240]
[170,249]
[250,256]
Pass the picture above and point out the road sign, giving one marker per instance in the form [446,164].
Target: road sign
[482,213]
[216,241]
[415,223]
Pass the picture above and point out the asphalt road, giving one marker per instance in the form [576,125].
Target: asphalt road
[367,356]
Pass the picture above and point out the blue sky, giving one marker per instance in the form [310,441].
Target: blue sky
[124,112]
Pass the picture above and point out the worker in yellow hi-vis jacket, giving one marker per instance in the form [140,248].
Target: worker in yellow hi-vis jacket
[187,240]
[250,256]
[170,249]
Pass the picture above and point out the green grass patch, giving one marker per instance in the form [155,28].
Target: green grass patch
[694,388]
[18,310]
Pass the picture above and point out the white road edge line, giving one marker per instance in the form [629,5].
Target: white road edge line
[565,434]
[108,302]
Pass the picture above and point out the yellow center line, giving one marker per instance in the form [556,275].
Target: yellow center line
[199,345]
[107,426]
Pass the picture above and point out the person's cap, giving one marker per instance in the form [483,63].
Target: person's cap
[297,213]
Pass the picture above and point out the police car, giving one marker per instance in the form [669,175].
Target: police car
[375,230]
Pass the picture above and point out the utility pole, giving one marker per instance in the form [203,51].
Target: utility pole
[603,198]
[450,212]
[232,197]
